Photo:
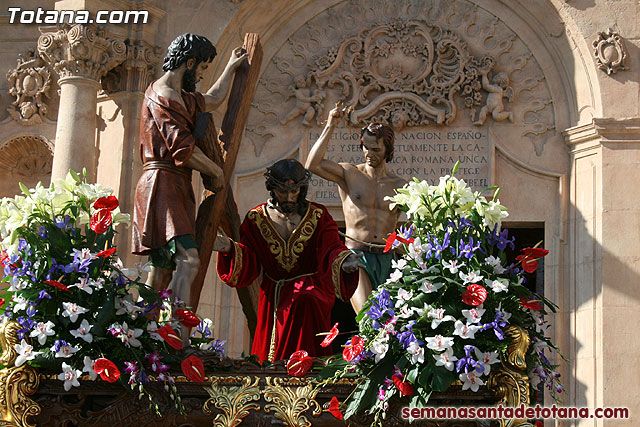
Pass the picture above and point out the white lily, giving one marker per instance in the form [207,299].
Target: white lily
[470,381]
[446,359]
[69,376]
[43,330]
[83,331]
[25,353]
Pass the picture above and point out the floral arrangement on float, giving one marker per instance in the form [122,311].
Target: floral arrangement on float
[441,316]
[73,298]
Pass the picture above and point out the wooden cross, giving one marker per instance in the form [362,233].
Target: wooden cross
[220,209]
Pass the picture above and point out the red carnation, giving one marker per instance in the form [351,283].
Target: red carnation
[56,284]
[193,368]
[405,387]
[333,333]
[106,253]
[187,318]
[334,408]
[299,363]
[107,370]
[532,304]
[474,295]
[110,203]
[100,221]
[170,336]
[354,349]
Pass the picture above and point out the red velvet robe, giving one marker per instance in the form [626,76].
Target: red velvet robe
[312,258]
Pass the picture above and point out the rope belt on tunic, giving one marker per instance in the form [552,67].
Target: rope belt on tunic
[166,165]
[375,248]
[276,299]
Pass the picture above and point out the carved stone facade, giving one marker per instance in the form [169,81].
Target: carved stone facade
[81,50]
[34,89]
[26,158]
[136,72]
[610,52]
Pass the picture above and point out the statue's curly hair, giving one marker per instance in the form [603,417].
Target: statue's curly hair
[188,46]
[384,132]
[288,169]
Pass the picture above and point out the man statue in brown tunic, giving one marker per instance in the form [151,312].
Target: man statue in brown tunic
[362,188]
[165,208]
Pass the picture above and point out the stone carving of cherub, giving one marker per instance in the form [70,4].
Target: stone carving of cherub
[498,90]
[305,98]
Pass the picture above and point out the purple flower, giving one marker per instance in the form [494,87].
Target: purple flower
[203,329]
[496,325]
[407,337]
[440,247]
[131,367]
[218,347]
[22,243]
[406,233]
[468,362]
[42,232]
[63,223]
[503,240]
[164,294]
[467,250]
[31,310]
[59,344]
[42,295]
[55,267]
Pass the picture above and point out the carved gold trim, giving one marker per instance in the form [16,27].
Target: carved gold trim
[16,383]
[237,264]
[290,398]
[336,269]
[235,401]
[510,382]
[286,252]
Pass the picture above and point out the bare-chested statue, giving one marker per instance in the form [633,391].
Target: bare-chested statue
[165,209]
[363,188]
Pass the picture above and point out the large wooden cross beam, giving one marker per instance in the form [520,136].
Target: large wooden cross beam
[220,209]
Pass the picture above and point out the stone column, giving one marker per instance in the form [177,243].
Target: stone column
[604,266]
[81,55]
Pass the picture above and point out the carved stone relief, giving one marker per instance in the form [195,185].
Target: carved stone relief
[27,159]
[418,65]
[81,50]
[136,72]
[610,52]
[34,89]
[448,75]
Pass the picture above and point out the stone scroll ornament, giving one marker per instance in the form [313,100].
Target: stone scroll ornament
[32,86]
[610,52]
[404,72]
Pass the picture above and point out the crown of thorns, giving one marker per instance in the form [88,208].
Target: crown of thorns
[283,185]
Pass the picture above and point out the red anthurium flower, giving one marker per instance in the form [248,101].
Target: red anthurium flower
[100,221]
[299,363]
[390,240]
[170,336]
[106,253]
[474,295]
[1,302]
[187,318]
[193,368]
[107,370]
[532,304]
[56,284]
[110,203]
[333,333]
[539,424]
[530,258]
[403,240]
[334,408]
[354,349]
[405,387]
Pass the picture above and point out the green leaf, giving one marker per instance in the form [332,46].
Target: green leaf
[413,374]
[442,379]
[24,189]
[455,168]
[424,378]
[331,369]
[358,397]
[74,175]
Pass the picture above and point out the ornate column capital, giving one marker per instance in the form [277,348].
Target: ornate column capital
[136,72]
[81,51]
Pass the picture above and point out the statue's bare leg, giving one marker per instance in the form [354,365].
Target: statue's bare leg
[499,114]
[361,295]
[187,265]
[482,116]
[159,278]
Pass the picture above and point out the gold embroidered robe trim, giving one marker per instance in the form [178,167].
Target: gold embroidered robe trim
[286,252]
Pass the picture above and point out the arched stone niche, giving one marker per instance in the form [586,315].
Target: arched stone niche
[27,159]
[418,66]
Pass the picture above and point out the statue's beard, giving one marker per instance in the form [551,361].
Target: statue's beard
[189,80]
[288,207]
